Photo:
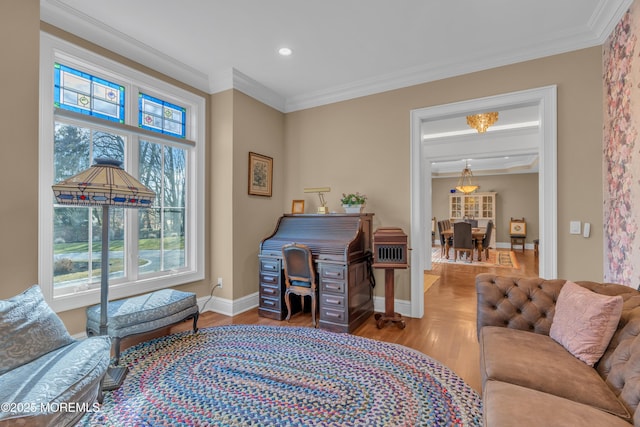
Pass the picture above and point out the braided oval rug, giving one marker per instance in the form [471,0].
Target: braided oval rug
[251,375]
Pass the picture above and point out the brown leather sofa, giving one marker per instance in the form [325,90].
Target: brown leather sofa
[528,379]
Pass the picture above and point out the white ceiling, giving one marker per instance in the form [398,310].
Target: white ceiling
[341,48]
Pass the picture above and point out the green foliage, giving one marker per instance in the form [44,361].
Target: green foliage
[353,199]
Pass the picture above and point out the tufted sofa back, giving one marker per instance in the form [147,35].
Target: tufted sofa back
[528,303]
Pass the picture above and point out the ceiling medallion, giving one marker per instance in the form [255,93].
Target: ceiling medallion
[482,121]
[464,183]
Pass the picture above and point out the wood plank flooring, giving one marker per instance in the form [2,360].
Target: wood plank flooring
[447,332]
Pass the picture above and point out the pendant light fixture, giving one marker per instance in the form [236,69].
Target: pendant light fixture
[482,121]
[464,183]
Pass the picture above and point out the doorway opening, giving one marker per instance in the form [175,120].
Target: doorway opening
[424,151]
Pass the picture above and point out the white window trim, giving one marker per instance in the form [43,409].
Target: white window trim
[53,49]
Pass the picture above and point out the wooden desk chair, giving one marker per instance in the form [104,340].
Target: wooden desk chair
[462,240]
[517,232]
[299,276]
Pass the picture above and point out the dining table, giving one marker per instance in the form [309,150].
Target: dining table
[477,233]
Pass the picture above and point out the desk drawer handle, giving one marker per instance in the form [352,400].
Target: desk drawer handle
[333,301]
[269,267]
[268,303]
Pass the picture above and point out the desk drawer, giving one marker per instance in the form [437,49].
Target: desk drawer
[332,300]
[269,291]
[269,303]
[270,265]
[332,272]
[333,286]
[330,315]
[269,279]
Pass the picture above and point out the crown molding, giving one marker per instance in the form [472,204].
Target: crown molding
[63,16]
[57,13]
[601,24]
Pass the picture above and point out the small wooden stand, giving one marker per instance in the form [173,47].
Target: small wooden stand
[389,298]
[390,253]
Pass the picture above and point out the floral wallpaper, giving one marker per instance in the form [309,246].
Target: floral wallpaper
[621,156]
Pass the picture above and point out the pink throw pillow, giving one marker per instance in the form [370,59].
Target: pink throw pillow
[585,321]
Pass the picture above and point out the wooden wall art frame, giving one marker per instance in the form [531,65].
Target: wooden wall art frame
[297,207]
[260,174]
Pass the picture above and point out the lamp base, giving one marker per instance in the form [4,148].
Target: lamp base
[114,377]
[323,210]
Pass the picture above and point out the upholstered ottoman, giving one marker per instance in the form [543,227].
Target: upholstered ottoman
[144,313]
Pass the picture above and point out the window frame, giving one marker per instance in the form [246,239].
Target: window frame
[54,49]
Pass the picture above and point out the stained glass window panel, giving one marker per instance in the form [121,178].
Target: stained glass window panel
[84,93]
[160,116]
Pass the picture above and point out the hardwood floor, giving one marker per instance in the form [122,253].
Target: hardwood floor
[447,331]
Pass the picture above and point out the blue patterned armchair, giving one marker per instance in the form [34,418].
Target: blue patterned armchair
[48,378]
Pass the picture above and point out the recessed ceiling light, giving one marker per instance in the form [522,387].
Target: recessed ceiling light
[285,51]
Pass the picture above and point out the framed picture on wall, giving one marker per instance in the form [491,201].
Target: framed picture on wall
[260,174]
[297,207]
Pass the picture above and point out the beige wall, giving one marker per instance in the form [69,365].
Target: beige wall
[19,28]
[259,129]
[364,145]
[241,124]
[517,196]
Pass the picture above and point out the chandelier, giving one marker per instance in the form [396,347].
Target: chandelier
[482,121]
[464,183]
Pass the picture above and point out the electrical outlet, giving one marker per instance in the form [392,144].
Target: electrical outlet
[219,285]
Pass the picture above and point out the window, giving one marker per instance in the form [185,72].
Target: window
[93,107]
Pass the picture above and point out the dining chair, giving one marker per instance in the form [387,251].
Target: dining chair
[433,230]
[486,241]
[443,240]
[473,222]
[299,276]
[462,240]
[518,232]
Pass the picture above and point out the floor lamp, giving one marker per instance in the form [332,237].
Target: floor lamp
[105,184]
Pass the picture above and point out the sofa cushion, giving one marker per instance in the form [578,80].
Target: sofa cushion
[585,321]
[507,405]
[538,362]
[28,329]
[70,374]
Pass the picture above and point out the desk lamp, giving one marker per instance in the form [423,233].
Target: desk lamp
[322,209]
[105,184]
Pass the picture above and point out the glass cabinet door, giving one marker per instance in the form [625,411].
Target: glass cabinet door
[455,207]
[487,206]
[471,206]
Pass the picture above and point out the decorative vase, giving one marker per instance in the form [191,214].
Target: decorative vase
[353,208]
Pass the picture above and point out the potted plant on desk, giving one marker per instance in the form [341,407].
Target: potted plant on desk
[353,202]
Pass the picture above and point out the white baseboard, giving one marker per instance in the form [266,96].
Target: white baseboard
[226,306]
[231,308]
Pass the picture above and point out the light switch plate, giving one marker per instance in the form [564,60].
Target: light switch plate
[574,227]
